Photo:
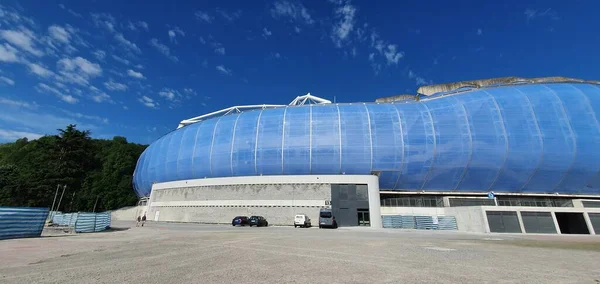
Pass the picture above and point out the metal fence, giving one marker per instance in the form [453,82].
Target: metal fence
[22,222]
[83,222]
[419,222]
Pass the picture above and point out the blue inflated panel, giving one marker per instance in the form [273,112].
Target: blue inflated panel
[533,138]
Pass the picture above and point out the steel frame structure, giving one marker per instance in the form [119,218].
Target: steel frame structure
[298,101]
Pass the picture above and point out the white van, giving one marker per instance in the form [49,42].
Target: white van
[301,220]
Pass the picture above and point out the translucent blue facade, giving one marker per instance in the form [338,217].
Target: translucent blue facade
[536,138]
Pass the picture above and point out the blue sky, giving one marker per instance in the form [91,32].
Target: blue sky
[137,68]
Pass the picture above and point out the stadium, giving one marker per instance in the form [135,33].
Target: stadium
[497,155]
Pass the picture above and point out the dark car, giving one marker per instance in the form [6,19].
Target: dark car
[258,221]
[239,220]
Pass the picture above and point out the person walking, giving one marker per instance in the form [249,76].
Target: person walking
[143,220]
[139,219]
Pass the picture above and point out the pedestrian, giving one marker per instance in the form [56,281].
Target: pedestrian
[139,219]
[143,220]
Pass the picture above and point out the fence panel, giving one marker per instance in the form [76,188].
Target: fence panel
[92,222]
[22,222]
[419,222]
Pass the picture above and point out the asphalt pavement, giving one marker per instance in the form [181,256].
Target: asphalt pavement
[196,253]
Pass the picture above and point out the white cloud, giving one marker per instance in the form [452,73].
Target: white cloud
[8,53]
[390,52]
[148,102]
[23,39]
[392,56]
[77,70]
[220,50]
[163,49]
[7,80]
[43,88]
[21,104]
[139,24]
[120,59]
[223,70]
[345,24]
[70,11]
[59,33]
[266,33]
[80,65]
[128,44]
[479,32]
[99,54]
[230,16]
[114,86]
[419,81]
[202,40]
[134,74]
[293,11]
[203,16]
[104,20]
[297,30]
[39,70]
[139,66]
[174,32]
[101,97]
[531,14]
[169,94]
[12,135]
[277,55]
[86,116]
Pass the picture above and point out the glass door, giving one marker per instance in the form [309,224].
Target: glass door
[363,217]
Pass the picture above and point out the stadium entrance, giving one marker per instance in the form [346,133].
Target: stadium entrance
[347,203]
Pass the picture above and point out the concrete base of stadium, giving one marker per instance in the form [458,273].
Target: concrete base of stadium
[512,219]
[354,199]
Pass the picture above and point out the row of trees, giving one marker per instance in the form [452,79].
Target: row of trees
[90,168]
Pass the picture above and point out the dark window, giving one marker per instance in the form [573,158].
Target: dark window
[362,193]
[343,193]
[590,204]
[392,200]
[595,220]
[538,222]
[456,202]
[503,222]
[325,215]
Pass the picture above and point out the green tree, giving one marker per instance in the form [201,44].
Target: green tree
[90,168]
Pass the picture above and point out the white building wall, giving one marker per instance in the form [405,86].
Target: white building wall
[277,198]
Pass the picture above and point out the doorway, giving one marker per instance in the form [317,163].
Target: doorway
[571,223]
[363,217]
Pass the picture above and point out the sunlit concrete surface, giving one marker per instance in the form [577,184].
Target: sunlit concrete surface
[193,253]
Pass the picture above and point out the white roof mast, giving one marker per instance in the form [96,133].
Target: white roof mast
[298,101]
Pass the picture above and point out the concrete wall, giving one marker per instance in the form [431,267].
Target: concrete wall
[278,203]
[468,219]
[277,198]
[474,218]
[128,213]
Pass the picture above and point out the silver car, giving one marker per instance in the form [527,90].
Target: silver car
[326,219]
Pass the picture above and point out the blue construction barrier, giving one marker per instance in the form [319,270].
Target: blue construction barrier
[62,219]
[22,222]
[83,222]
[92,222]
[419,222]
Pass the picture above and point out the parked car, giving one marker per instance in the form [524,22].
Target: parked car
[301,220]
[326,219]
[239,220]
[258,221]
